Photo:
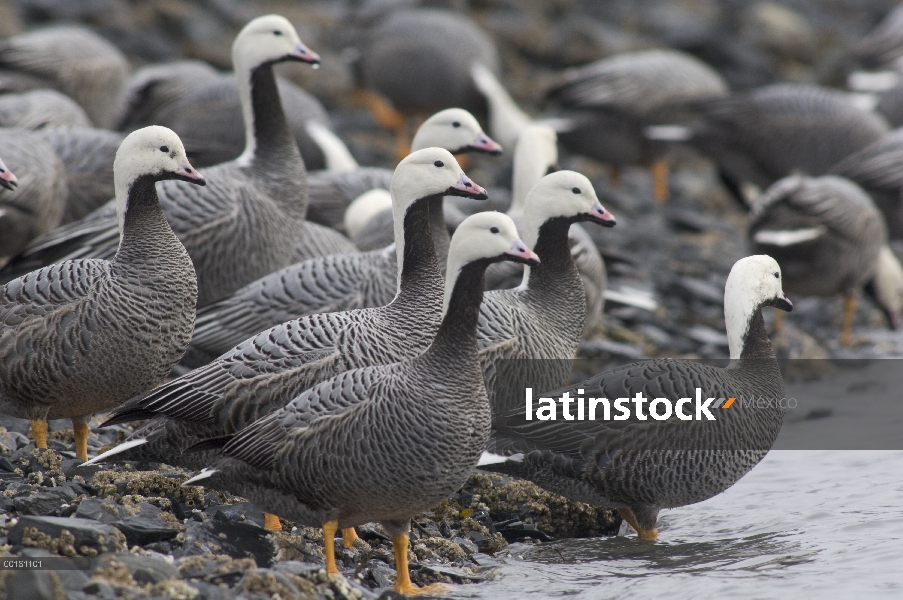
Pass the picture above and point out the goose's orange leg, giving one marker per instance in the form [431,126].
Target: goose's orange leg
[348,537]
[659,170]
[329,529]
[403,583]
[849,311]
[39,430]
[643,534]
[271,522]
[81,440]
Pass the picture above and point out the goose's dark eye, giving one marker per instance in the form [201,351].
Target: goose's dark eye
[494,229]
[164,149]
[576,190]
[456,124]
[777,275]
[277,32]
[439,164]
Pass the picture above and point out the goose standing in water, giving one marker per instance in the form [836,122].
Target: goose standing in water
[332,283]
[402,55]
[345,453]
[827,235]
[83,336]
[631,464]
[37,205]
[70,58]
[249,220]
[607,105]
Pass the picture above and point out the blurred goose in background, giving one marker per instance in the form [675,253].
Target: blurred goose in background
[8,179]
[826,234]
[882,48]
[384,469]
[877,169]
[506,119]
[87,155]
[249,220]
[758,137]
[37,109]
[69,58]
[265,372]
[332,283]
[632,464]
[83,336]
[401,55]
[37,205]
[606,106]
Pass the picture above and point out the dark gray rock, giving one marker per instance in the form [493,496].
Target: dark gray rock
[100,589]
[468,546]
[144,569]
[105,511]
[88,533]
[35,585]
[240,512]
[484,561]
[146,527]
[42,503]
[222,536]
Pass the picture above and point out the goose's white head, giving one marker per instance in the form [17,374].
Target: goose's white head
[153,153]
[269,39]
[754,282]
[535,155]
[422,174]
[7,179]
[565,195]
[486,236]
[457,131]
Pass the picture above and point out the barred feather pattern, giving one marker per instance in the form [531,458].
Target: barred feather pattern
[83,336]
[649,465]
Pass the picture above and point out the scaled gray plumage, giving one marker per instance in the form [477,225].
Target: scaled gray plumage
[37,205]
[41,108]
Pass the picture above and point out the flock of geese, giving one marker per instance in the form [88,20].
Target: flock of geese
[334,386]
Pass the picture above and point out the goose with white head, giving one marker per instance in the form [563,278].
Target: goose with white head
[382,443]
[535,156]
[538,325]
[84,336]
[630,464]
[339,282]
[250,220]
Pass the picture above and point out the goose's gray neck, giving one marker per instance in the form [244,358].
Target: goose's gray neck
[756,343]
[439,229]
[456,340]
[419,267]
[556,274]
[273,141]
[146,234]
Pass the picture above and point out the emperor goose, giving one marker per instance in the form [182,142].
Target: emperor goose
[249,220]
[826,234]
[402,55]
[83,336]
[640,466]
[382,443]
[606,105]
[37,206]
[535,155]
[331,283]
[758,137]
[71,59]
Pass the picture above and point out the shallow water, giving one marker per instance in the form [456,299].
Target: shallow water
[802,524]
